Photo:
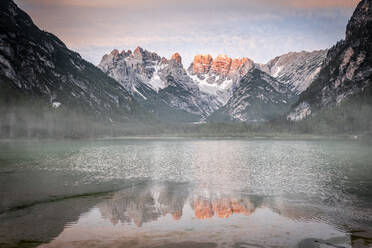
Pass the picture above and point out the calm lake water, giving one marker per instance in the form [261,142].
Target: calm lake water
[185,193]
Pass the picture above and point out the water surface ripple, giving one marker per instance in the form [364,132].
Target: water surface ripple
[177,192]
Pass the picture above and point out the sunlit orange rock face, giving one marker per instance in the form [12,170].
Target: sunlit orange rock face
[177,57]
[202,63]
[222,65]
[203,209]
[222,208]
[241,66]
[138,52]
[177,215]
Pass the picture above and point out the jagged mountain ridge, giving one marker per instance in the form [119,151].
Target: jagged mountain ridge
[160,84]
[297,69]
[258,97]
[36,63]
[223,77]
[347,70]
[164,87]
[219,76]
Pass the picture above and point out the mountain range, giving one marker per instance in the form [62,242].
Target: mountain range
[220,89]
[141,85]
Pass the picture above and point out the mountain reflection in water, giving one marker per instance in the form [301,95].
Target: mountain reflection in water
[165,214]
[223,207]
[173,193]
[145,203]
[148,202]
[173,214]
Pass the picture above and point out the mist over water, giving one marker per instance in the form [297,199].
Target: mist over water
[184,190]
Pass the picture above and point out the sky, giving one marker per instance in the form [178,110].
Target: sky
[257,29]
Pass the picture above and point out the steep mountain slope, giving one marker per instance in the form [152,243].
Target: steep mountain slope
[218,77]
[258,97]
[159,84]
[347,70]
[222,76]
[297,69]
[36,64]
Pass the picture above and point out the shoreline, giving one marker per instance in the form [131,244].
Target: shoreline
[251,136]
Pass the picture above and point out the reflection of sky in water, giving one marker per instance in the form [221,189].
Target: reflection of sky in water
[154,214]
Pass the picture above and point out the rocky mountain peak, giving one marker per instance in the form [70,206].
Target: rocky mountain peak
[138,52]
[202,63]
[221,65]
[126,53]
[143,55]
[360,23]
[297,69]
[177,57]
[241,66]
[220,75]
[115,52]
[164,60]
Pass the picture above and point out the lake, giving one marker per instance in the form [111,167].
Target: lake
[185,193]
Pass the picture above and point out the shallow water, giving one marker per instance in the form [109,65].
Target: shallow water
[185,193]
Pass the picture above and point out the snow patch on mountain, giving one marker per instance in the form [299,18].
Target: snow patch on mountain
[277,71]
[139,93]
[156,82]
[220,91]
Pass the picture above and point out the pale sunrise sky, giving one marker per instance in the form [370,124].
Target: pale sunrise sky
[258,29]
